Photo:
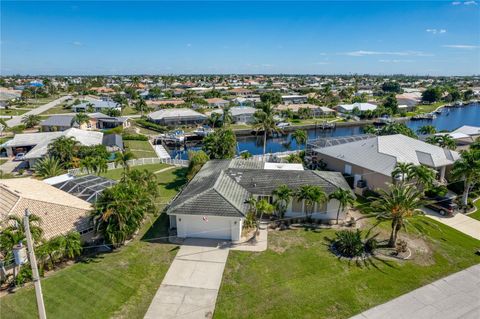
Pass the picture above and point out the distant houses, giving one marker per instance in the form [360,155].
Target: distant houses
[294,99]
[97,121]
[95,106]
[361,107]
[316,111]
[240,115]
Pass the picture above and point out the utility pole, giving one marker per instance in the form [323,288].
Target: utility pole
[33,263]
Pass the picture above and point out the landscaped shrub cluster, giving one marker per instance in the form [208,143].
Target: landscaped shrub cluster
[151,126]
[134,137]
[349,243]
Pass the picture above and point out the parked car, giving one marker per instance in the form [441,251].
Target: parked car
[283,124]
[443,205]
[20,157]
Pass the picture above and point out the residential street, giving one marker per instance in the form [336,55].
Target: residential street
[17,120]
[452,297]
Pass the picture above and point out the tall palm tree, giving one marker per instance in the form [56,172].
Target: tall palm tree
[48,167]
[444,141]
[122,158]
[424,176]
[300,137]
[141,106]
[31,120]
[344,198]
[265,122]
[311,195]
[64,149]
[397,204]
[214,119]
[263,207]
[467,168]
[227,116]
[79,119]
[282,195]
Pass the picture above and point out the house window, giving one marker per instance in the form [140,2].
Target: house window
[297,206]
[348,169]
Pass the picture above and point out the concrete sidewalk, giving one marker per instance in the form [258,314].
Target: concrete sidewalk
[455,296]
[190,287]
[460,222]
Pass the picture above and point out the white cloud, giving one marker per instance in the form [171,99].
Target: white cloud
[435,31]
[460,46]
[77,43]
[399,53]
[395,61]
[466,3]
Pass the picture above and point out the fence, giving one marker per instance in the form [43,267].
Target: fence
[136,162]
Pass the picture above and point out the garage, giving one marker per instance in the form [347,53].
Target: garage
[203,226]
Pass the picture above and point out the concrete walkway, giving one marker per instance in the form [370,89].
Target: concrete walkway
[17,120]
[460,222]
[190,287]
[455,296]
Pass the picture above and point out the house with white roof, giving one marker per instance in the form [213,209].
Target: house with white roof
[241,115]
[373,158]
[177,116]
[362,107]
[35,145]
[96,106]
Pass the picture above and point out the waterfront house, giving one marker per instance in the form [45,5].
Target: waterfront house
[241,115]
[317,111]
[96,106]
[362,107]
[373,158]
[214,203]
[175,117]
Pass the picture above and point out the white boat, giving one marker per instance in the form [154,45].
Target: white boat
[177,136]
[203,131]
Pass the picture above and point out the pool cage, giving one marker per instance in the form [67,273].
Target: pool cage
[87,187]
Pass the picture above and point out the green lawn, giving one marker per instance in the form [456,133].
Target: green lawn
[476,215]
[3,160]
[427,108]
[129,111]
[58,109]
[141,149]
[119,284]
[13,112]
[297,277]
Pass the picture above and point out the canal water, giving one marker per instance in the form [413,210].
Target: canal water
[449,120]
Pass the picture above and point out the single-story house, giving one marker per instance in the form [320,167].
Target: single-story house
[59,211]
[155,103]
[35,145]
[214,203]
[406,107]
[362,107]
[464,135]
[241,92]
[113,142]
[180,116]
[241,115]
[59,123]
[217,102]
[374,158]
[102,121]
[409,98]
[294,99]
[97,121]
[316,110]
[246,101]
[96,106]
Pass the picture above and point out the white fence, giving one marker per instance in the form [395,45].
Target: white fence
[136,162]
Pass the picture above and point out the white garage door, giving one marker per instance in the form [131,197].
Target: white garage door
[204,227]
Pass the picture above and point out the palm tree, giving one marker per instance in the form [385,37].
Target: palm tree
[3,126]
[402,171]
[265,122]
[300,137]
[245,155]
[344,198]
[424,176]
[141,106]
[72,245]
[214,119]
[227,116]
[30,120]
[64,149]
[444,141]
[122,158]
[14,233]
[311,195]
[467,168]
[427,130]
[282,195]
[79,119]
[397,204]
[263,207]
[48,167]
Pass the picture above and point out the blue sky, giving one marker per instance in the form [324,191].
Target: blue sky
[154,37]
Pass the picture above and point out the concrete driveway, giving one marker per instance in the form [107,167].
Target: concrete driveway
[17,120]
[460,222]
[190,287]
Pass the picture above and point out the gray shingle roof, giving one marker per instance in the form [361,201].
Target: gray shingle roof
[58,120]
[222,187]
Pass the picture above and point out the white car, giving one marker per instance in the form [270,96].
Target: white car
[283,124]
[19,157]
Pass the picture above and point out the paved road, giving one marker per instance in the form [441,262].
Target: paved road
[455,296]
[460,222]
[17,120]
[190,287]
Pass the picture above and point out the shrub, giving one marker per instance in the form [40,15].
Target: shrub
[349,243]
[134,137]
[115,130]
[24,275]
[151,126]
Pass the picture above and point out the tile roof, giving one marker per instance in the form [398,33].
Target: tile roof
[222,187]
[60,212]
